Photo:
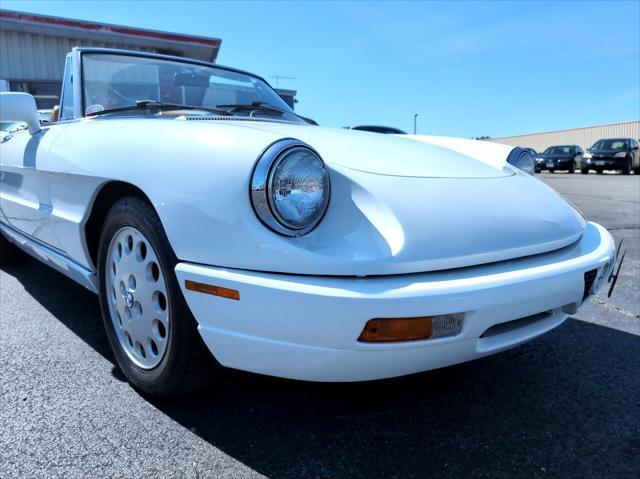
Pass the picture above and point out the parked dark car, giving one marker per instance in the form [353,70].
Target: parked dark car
[388,130]
[560,157]
[613,154]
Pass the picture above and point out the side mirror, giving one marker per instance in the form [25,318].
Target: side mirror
[634,147]
[17,106]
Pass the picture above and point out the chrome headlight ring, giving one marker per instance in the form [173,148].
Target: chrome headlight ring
[268,201]
[521,159]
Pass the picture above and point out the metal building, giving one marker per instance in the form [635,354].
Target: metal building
[33,49]
[584,137]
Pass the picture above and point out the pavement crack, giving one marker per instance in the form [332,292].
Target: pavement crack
[611,307]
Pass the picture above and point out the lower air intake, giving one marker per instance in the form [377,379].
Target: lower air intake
[513,325]
[589,279]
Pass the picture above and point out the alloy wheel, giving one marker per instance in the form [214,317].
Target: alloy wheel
[137,297]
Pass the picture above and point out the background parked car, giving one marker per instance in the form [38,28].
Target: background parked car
[561,157]
[388,130]
[613,154]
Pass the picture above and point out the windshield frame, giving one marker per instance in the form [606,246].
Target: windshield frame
[78,53]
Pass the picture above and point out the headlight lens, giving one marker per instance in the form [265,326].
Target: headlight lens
[522,159]
[622,154]
[290,188]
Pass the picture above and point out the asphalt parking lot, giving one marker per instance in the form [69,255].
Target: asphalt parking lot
[565,405]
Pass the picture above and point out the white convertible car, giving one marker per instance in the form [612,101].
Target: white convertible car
[211,219]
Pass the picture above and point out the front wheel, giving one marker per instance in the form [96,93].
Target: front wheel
[572,169]
[150,328]
[584,171]
[627,168]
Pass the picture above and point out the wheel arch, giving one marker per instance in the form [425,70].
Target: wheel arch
[105,198]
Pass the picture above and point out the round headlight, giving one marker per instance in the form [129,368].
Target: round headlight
[290,188]
[521,159]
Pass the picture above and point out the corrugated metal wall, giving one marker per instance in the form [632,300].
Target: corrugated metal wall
[584,137]
[36,57]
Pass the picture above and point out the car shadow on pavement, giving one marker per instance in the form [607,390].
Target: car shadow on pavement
[564,405]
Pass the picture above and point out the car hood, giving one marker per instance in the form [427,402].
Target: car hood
[393,155]
[403,204]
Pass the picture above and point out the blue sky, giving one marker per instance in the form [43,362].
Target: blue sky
[467,68]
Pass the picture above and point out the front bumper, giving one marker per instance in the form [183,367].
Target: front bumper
[606,163]
[306,327]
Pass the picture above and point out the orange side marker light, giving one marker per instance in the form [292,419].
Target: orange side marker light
[213,290]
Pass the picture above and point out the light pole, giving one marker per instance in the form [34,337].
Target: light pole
[415,117]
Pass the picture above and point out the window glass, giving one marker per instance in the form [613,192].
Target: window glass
[66,109]
[559,150]
[611,145]
[116,81]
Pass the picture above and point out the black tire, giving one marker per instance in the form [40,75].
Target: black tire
[10,253]
[552,170]
[627,169]
[584,171]
[572,168]
[599,171]
[186,365]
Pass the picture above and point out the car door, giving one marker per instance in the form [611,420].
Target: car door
[24,191]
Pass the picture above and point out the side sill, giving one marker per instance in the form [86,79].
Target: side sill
[52,257]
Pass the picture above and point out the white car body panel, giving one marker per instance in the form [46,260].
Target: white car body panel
[376,223]
[306,327]
[415,226]
[25,201]
[487,152]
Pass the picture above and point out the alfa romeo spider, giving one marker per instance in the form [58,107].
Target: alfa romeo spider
[219,228]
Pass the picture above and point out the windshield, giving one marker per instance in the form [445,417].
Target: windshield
[116,81]
[610,145]
[559,150]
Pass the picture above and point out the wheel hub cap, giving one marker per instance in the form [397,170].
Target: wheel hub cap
[137,297]
[129,299]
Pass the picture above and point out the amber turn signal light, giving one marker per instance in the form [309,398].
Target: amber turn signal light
[411,329]
[397,329]
[213,290]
